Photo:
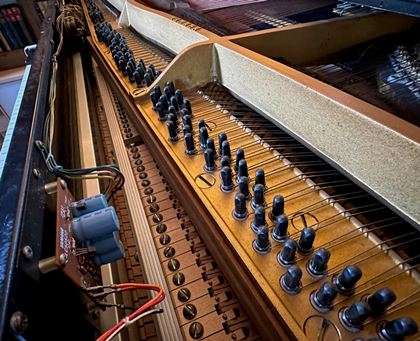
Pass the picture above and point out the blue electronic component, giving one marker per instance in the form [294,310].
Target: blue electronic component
[99,229]
[88,205]
[96,225]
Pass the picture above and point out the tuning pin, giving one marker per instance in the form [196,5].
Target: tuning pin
[352,317]
[280,228]
[243,185]
[278,207]
[201,124]
[186,121]
[154,98]
[173,118]
[157,91]
[179,97]
[291,280]
[287,256]
[224,162]
[167,92]
[210,144]
[380,301]
[240,155]
[222,137]
[242,169]
[209,166]
[262,243]
[306,240]
[161,112]
[225,150]
[148,78]
[187,105]
[322,299]
[129,70]
[227,182]
[204,135]
[163,99]
[260,177]
[121,65]
[259,218]
[138,79]
[184,112]
[173,133]
[174,103]
[172,111]
[171,87]
[240,212]
[258,198]
[398,329]
[347,279]
[189,144]
[186,129]
[140,63]
[318,265]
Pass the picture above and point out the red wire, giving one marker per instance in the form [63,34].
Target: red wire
[131,286]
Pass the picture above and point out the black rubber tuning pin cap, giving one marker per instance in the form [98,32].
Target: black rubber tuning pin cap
[398,329]
[261,244]
[287,256]
[258,198]
[306,240]
[224,161]
[204,135]
[173,132]
[259,219]
[240,155]
[243,186]
[240,211]
[201,124]
[186,129]
[157,91]
[318,264]
[179,97]
[210,165]
[186,120]
[380,300]
[222,137]
[347,279]
[322,299]
[291,281]
[164,101]
[187,105]
[161,112]
[353,317]
[225,150]
[280,228]
[260,177]
[227,181]
[242,169]
[189,144]
[278,207]
[171,86]
[174,103]
[167,92]
[212,146]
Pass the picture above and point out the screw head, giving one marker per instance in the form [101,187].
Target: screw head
[36,172]
[18,322]
[63,184]
[27,252]
[64,259]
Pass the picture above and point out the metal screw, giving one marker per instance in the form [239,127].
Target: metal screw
[28,253]
[63,259]
[18,322]
[63,184]
[36,172]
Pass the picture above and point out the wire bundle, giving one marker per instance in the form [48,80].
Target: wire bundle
[141,312]
[110,172]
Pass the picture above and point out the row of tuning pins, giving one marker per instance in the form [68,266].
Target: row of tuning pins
[170,105]
[137,72]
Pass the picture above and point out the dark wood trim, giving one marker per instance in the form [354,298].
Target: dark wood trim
[265,317]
